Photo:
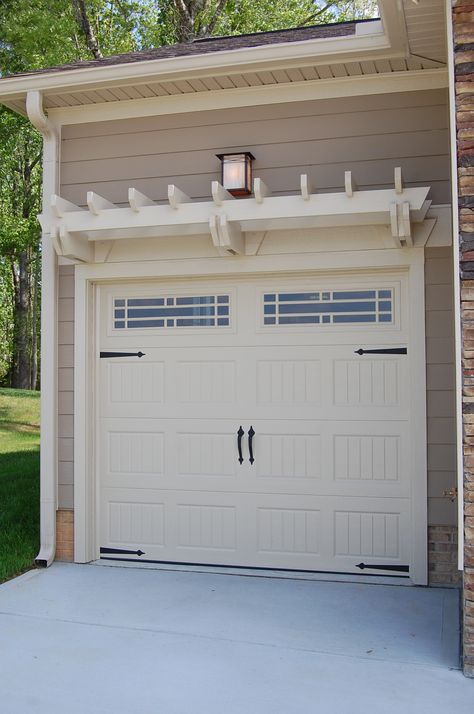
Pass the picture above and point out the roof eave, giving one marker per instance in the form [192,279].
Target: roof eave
[283,54]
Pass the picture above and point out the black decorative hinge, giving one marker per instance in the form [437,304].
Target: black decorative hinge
[121,551]
[385,351]
[397,568]
[122,354]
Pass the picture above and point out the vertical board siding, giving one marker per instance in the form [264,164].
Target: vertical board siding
[65,386]
[369,136]
[440,385]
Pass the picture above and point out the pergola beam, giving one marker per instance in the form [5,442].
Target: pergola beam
[226,218]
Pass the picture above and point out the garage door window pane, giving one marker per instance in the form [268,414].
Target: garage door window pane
[172,312]
[333,307]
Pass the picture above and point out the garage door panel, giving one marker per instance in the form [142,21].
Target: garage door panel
[330,485]
[164,386]
[272,531]
[169,454]
[137,452]
[376,535]
[131,519]
[206,526]
[205,454]
[289,381]
[134,382]
[378,458]
[288,456]
[362,458]
[206,381]
[368,383]
[288,531]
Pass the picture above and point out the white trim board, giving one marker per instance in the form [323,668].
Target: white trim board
[49,342]
[457,290]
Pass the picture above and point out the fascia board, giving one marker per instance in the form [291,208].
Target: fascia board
[394,25]
[283,54]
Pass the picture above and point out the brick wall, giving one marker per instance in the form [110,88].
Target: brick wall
[443,555]
[463,29]
[65,534]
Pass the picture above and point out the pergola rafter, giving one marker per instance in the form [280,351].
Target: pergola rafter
[227,220]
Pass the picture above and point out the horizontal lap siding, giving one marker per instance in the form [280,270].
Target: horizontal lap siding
[65,386]
[440,377]
[369,136]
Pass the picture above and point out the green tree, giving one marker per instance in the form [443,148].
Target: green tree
[199,18]
[44,33]
[20,176]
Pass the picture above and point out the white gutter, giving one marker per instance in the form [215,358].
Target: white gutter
[457,285]
[48,458]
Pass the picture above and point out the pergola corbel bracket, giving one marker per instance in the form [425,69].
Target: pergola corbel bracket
[75,247]
[227,219]
[226,237]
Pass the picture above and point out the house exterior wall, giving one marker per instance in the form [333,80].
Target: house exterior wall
[368,135]
[463,30]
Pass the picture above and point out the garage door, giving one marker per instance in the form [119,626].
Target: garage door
[259,423]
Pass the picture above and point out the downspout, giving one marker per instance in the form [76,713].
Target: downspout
[457,283]
[48,458]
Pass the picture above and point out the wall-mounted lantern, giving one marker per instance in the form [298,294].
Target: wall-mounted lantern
[236,172]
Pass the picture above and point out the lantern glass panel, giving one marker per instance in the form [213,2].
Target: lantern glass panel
[234,172]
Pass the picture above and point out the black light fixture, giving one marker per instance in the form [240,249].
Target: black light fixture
[236,172]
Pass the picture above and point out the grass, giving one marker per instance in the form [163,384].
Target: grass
[19,481]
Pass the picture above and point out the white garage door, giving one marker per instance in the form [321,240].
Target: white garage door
[269,366]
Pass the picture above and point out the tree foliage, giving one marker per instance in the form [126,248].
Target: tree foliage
[44,33]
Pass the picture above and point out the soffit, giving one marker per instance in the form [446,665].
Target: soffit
[426,28]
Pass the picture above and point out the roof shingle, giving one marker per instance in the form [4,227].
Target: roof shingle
[212,44]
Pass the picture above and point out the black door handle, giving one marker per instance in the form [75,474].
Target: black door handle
[251,435]
[240,434]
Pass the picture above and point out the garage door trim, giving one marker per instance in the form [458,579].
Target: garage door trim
[86,341]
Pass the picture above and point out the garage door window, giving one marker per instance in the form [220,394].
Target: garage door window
[172,312]
[328,307]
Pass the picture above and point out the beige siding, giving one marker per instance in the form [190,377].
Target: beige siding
[440,385]
[65,386]
[368,135]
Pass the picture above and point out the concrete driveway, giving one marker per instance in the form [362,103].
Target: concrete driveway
[89,640]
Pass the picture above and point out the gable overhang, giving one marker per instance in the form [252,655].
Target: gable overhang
[262,58]
[373,57]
